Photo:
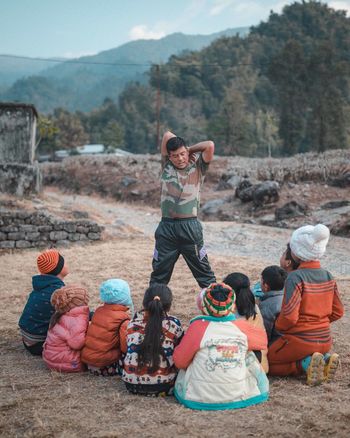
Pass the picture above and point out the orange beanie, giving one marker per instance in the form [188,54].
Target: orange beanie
[50,262]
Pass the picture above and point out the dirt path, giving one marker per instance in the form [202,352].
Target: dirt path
[221,238]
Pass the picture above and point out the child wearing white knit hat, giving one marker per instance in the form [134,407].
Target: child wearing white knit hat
[310,303]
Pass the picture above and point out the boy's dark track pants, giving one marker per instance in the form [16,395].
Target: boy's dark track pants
[180,236]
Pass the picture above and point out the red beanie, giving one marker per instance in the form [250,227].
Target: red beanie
[50,262]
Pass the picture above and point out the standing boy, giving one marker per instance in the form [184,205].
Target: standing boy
[180,232]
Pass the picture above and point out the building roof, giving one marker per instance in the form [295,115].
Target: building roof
[91,149]
[15,105]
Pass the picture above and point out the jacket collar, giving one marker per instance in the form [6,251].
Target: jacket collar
[312,264]
[272,293]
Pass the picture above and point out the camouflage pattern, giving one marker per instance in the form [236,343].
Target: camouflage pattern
[181,188]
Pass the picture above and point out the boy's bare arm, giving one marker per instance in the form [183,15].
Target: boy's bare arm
[206,147]
[167,136]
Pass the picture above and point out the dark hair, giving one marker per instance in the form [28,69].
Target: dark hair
[274,276]
[55,318]
[245,301]
[157,302]
[175,143]
[295,264]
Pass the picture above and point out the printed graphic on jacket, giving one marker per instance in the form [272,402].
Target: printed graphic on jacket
[224,353]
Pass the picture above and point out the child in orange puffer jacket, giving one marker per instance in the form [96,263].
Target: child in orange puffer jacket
[67,330]
[105,342]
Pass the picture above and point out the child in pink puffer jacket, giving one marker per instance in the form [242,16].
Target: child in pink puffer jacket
[67,331]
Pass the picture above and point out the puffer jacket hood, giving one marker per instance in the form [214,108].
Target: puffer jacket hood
[38,310]
[106,336]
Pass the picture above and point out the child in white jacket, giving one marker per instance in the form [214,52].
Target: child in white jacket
[218,369]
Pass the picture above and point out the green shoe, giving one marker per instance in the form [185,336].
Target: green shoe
[315,371]
[331,366]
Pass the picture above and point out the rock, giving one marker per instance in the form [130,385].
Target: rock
[33,236]
[341,227]
[228,182]
[74,237]
[289,210]
[15,236]
[94,236]
[7,244]
[77,214]
[341,181]
[70,227]
[63,242]
[58,235]
[266,193]
[244,191]
[335,204]
[23,244]
[212,207]
[128,181]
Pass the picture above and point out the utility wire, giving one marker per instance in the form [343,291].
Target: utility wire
[149,64]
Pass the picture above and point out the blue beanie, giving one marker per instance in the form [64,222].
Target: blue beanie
[116,291]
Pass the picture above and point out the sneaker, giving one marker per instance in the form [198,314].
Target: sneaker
[315,371]
[331,366]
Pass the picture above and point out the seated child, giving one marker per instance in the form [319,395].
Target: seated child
[246,307]
[272,284]
[286,262]
[67,332]
[35,318]
[217,369]
[106,336]
[152,336]
[310,303]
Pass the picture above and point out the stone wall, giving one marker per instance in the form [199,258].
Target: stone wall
[39,229]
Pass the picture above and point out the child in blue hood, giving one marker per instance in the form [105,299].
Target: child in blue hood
[36,315]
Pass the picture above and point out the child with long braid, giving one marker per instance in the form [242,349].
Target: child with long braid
[152,336]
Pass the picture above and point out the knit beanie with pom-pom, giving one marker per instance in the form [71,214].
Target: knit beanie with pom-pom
[309,242]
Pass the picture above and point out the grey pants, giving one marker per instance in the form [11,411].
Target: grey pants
[180,236]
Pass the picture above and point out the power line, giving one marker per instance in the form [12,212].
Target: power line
[150,64]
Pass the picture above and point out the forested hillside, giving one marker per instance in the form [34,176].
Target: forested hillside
[281,90]
[84,83]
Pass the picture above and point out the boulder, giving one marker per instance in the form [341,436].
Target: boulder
[289,210]
[266,193]
[244,191]
[212,207]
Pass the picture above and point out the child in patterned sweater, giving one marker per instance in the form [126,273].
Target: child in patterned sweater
[152,336]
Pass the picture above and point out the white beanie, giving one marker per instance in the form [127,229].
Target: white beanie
[309,242]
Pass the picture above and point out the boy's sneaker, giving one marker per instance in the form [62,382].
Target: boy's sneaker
[315,371]
[331,366]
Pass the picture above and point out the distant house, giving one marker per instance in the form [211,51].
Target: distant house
[91,149]
[17,132]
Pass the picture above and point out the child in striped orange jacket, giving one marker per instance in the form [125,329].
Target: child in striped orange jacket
[310,303]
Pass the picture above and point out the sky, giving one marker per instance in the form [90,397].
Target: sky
[73,28]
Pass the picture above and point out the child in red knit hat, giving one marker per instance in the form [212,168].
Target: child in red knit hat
[35,318]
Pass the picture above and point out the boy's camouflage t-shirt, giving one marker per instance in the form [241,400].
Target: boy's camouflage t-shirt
[181,188]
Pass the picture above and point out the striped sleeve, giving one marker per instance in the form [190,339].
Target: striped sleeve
[337,307]
[190,344]
[291,303]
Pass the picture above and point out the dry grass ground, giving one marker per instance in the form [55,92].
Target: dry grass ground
[37,402]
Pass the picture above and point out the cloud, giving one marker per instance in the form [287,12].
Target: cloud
[143,32]
[343,5]
[219,6]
